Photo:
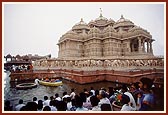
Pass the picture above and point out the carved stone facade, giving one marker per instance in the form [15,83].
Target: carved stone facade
[103,38]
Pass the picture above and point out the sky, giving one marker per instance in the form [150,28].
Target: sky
[35,28]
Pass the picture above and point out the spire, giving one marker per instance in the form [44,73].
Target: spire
[81,20]
[122,17]
[101,13]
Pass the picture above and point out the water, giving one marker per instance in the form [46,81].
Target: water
[12,94]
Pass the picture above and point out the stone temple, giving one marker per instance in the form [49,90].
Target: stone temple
[104,49]
[103,38]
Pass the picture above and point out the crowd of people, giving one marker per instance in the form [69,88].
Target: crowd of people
[139,96]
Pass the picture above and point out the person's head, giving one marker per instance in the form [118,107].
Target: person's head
[46,108]
[145,83]
[111,90]
[20,101]
[79,102]
[124,88]
[125,99]
[64,93]
[45,97]
[83,96]
[31,106]
[51,98]
[91,88]
[72,90]
[94,101]
[61,106]
[102,94]
[40,102]
[34,98]
[39,106]
[56,95]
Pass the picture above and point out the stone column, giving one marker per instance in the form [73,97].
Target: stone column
[139,45]
[147,46]
[151,50]
[132,47]
[128,46]
[143,45]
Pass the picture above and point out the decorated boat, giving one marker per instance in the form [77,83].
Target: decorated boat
[48,83]
[26,86]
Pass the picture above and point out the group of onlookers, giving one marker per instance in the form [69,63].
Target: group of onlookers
[139,96]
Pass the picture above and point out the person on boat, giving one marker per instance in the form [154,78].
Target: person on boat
[52,80]
[57,80]
[47,80]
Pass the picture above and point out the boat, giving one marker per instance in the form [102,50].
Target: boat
[26,86]
[47,83]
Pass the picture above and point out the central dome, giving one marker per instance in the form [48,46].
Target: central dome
[101,18]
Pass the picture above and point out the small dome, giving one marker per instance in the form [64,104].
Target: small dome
[139,30]
[111,20]
[80,25]
[123,22]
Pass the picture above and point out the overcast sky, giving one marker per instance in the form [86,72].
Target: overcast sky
[35,28]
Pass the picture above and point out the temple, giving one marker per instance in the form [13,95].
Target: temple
[104,38]
[104,49]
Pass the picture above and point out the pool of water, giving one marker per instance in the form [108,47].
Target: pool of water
[12,94]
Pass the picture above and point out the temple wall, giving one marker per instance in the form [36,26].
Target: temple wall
[83,77]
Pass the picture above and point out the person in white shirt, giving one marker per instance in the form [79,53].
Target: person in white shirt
[52,107]
[46,101]
[103,99]
[72,95]
[92,90]
[65,95]
[126,105]
[57,97]
[132,101]
[35,100]
[20,105]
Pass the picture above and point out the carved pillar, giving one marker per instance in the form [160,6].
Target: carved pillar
[143,45]
[139,45]
[151,50]
[147,46]
[132,47]
[128,46]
